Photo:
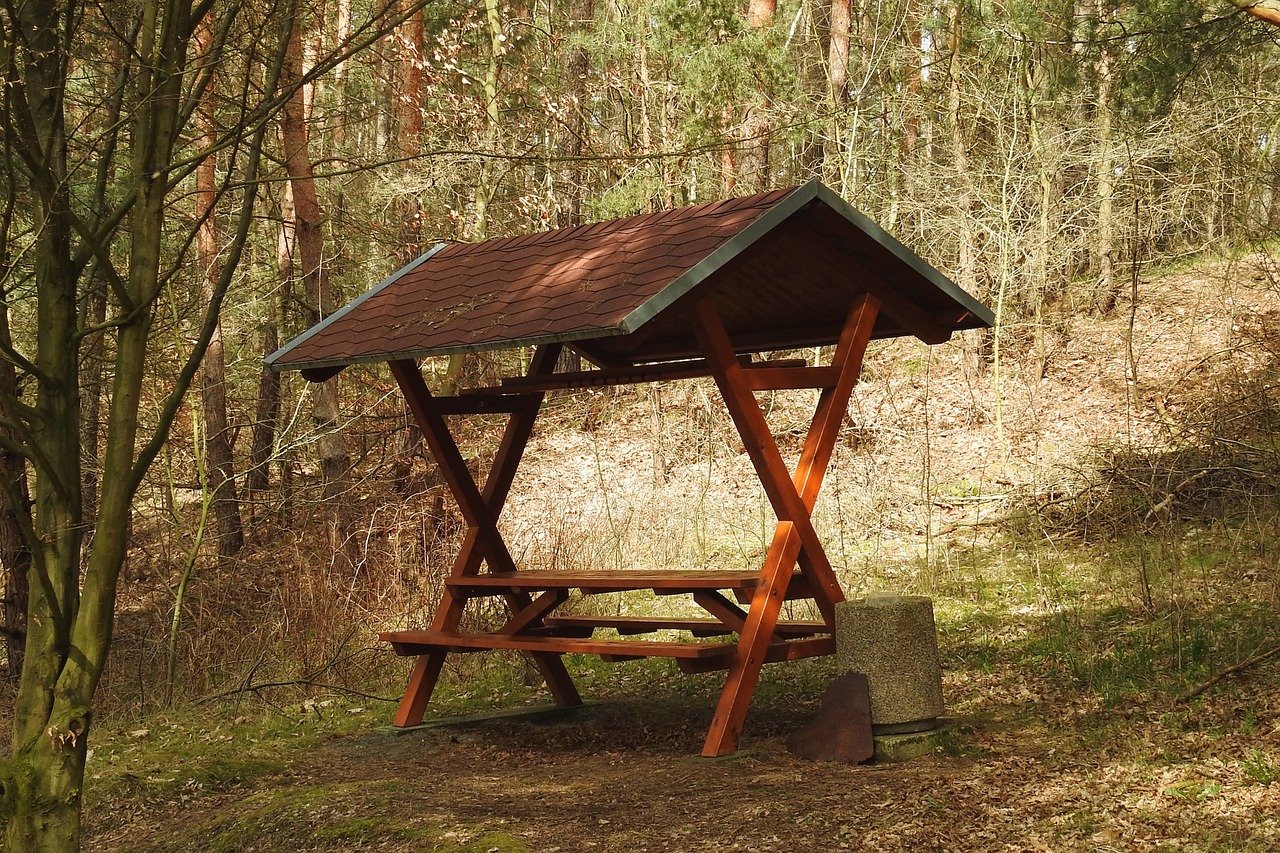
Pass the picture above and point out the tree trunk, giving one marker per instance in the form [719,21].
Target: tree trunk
[485,188]
[571,136]
[267,409]
[838,52]
[409,246]
[758,125]
[15,515]
[409,132]
[266,412]
[309,242]
[217,439]
[92,392]
[840,28]
[1104,252]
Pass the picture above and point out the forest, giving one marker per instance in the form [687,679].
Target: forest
[193,547]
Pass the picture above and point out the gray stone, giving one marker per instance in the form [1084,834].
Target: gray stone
[904,747]
[893,641]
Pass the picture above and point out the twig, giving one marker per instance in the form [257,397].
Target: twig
[1231,670]
[1164,504]
[297,682]
[246,684]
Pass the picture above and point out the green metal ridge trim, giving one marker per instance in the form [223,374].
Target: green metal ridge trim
[904,254]
[730,249]
[512,343]
[342,312]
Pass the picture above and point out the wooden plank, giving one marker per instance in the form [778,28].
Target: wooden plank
[661,372]
[791,378]
[775,652]
[477,405]
[798,589]
[594,580]
[722,608]
[417,693]
[699,627]
[422,642]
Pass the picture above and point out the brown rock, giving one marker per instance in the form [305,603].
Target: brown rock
[841,731]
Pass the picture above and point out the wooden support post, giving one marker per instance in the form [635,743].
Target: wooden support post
[480,509]
[792,498]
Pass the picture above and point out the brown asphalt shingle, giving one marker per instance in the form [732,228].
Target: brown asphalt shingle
[586,284]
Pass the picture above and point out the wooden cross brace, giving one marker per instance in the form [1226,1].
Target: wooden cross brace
[791,494]
[480,510]
[792,497]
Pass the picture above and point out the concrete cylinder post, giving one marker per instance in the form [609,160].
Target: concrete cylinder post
[893,641]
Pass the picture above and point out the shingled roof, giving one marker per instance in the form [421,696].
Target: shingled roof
[782,266]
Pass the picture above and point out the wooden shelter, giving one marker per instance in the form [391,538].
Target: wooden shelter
[692,292]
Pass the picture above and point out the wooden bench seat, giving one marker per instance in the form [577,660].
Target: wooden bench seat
[691,657]
[583,626]
[421,642]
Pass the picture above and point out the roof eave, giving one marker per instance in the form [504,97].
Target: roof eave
[324,368]
[273,360]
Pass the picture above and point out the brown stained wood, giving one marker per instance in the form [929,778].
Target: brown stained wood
[774,476]
[422,642]
[721,608]
[907,313]
[664,372]
[453,468]
[515,439]
[606,581]
[798,589]
[791,378]
[417,693]
[630,625]
[776,652]
[534,612]
[757,632]
[824,429]
[480,405]
[480,509]
[792,497]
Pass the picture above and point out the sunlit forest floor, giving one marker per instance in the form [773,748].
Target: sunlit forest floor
[1092,504]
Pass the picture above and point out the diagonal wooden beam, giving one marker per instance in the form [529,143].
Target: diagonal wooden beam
[532,613]
[453,467]
[726,611]
[772,471]
[480,509]
[792,497]
[824,429]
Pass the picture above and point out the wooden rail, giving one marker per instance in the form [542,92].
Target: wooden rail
[666,371]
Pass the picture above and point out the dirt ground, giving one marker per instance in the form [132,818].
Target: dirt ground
[624,776]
